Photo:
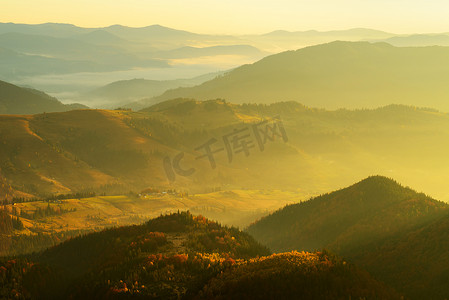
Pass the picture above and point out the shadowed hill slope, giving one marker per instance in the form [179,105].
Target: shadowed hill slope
[175,256]
[296,276]
[22,101]
[323,150]
[398,235]
[372,210]
[415,263]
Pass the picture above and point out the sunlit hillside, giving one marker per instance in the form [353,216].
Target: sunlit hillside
[317,151]
[371,210]
[312,275]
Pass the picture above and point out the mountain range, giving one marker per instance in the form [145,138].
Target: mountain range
[38,55]
[181,256]
[66,49]
[321,150]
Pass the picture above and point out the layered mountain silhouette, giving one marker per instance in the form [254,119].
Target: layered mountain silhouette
[134,93]
[48,49]
[288,275]
[419,40]
[336,75]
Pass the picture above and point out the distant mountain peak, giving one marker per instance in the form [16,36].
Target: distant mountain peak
[158,26]
[117,26]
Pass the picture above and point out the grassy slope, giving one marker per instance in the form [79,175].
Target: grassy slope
[33,165]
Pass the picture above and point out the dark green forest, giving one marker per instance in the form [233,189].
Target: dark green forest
[398,235]
[180,256]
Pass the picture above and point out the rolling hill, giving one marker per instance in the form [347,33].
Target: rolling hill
[15,100]
[336,75]
[168,38]
[324,150]
[370,211]
[135,92]
[57,142]
[396,234]
[419,40]
[176,256]
[287,275]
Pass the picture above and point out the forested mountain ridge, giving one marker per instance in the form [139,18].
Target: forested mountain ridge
[178,256]
[368,211]
[396,234]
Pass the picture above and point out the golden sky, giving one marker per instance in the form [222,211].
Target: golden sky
[236,16]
